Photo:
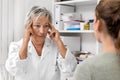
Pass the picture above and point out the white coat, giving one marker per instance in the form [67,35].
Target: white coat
[49,66]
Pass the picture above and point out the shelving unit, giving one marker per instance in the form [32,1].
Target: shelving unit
[78,2]
[87,41]
[76,31]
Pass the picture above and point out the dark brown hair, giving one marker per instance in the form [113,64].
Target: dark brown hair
[109,12]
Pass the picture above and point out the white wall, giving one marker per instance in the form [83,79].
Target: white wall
[6,27]
[6,33]
[86,11]
[43,3]
[19,14]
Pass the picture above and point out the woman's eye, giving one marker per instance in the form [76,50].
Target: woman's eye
[47,26]
[37,26]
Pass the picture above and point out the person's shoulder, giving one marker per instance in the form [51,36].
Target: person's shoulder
[16,43]
[101,58]
[91,61]
[85,68]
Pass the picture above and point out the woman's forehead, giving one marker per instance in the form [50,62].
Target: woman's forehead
[42,19]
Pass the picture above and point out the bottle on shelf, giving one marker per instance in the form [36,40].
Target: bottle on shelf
[86,25]
[91,24]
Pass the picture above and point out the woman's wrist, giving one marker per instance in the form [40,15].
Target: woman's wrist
[61,48]
[24,49]
[26,40]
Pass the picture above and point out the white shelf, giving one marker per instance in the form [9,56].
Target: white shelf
[77,39]
[78,2]
[76,31]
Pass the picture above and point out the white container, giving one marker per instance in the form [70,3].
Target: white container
[82,25]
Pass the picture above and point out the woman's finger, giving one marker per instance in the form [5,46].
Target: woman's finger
[51,34]
[51,26]
[29,24]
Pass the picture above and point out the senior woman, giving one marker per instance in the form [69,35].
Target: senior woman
[37,56]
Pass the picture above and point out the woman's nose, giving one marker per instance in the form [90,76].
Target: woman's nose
[41,29]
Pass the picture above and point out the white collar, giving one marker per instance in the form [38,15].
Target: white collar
[45,51]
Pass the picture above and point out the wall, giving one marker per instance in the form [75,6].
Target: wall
[6,27]
[6,33]
[19,14]
[43,3]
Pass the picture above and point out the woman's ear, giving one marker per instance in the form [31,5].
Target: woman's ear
[97,25]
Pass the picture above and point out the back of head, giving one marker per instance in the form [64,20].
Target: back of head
[109,12]
[37,12]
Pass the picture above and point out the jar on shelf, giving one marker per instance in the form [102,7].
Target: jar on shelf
[86,25]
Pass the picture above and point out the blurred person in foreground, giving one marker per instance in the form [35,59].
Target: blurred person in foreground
[107,31]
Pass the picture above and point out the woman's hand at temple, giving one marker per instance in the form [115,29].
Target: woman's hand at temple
[28,32]
[54,34]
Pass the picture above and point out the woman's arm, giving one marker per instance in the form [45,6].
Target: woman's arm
[61,48]
[14,65]
[24,48]
[66,61]
[54,34]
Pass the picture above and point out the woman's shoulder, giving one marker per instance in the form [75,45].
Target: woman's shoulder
[100,60]
[86,67]
[93,60]
[16,43]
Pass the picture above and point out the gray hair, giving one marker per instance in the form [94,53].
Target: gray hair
[37,12]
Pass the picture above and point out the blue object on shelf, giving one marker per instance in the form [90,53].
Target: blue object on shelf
[73,28]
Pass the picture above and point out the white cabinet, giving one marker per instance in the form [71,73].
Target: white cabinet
[82,10]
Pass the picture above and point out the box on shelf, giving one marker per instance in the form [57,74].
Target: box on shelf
[72,25]
[71,21]
[71,16]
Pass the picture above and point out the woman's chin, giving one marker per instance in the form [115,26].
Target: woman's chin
[42,38]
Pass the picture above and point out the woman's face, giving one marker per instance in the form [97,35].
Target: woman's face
[40,27]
